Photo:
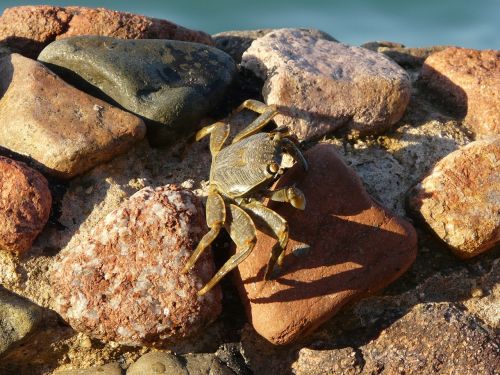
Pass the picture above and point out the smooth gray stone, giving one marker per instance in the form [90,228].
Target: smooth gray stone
[171,84]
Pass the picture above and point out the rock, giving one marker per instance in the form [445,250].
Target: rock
[109,369]
[28,29]
[18,319]
[236,42]
[431,339]
[460,199]
[343,361]
[25,203]
[320,85]
[65,131]
[469,81]
[171,364]
[174,90]
[124,282]
[407,57]
[342,247]
[158,363]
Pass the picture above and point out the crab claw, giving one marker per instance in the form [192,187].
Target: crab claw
[296,198]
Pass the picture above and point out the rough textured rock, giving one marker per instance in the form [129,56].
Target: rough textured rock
[341,247]
[109,369]
[236,42]
[407,57]
[433,338]
[171,364]
[65,131]
[28,29]
[177,86]
[18,318]
[321,85]
[125,283]
[469,80]
[460,199]
[25,203]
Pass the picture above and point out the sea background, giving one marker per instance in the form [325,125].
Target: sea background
[417,23]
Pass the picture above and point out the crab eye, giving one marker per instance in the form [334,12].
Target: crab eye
[273,168]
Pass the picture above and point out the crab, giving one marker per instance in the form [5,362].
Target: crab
[240,177]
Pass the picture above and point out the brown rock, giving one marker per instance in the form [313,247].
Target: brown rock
[25,203]
[434,339]
[460,198]
[468,80]
[321,85]
[28,29]
[342,247]
[64,130]
[124,282]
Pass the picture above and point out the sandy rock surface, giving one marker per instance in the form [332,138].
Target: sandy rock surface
[25,203]
[28,29]
[321,85]
[124,283]
[469,81]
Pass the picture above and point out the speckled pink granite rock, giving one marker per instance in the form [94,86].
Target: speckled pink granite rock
[25,203]
[28,29]
[321,85]
[125,284]
[460,198]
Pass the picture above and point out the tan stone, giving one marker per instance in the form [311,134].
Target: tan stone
[342,247]
[469,80]
[321,85]
[460,198]
[25,203]
[28,29]
[64,130]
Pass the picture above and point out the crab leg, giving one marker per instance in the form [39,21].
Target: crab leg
[216,216]
[242,231]
[289,194]
[218,135]
[273,225]
[267,112]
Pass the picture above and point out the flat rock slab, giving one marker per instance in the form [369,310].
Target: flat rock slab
[28,29]
[460,198]
[342,247]
[170,83]
[64,130]
[321,85]
[124,282]
[25,203]
[468,80]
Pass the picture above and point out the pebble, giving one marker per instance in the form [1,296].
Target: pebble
[469,81]
[460,198]
[28,29]
[44,118]
[25,203]
[124,282]
[355,247]
[18,319]
[171,84]
[321,85]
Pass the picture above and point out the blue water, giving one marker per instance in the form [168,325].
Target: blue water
[474,24]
